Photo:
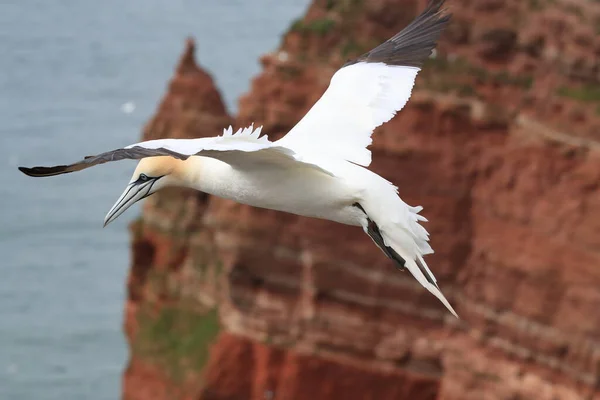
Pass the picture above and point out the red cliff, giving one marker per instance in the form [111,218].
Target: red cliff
[500,143]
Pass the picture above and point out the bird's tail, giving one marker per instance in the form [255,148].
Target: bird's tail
[394,227]
[419,269]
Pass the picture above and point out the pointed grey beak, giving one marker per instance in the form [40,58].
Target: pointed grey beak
[133,193]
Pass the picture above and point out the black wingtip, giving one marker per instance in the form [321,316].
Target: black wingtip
[37,172]
[26,171]
[434,7]
[415,43]
[434,10]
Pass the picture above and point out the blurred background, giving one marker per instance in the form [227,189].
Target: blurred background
[193,297]
[78,78]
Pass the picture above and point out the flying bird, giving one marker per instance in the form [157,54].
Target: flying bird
[319,168]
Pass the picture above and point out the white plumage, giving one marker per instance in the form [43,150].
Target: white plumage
[360,97]
[318,168]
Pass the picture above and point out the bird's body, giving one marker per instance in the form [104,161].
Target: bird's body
[319,168]
[289,187]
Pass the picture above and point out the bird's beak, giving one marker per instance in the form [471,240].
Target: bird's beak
[133,193]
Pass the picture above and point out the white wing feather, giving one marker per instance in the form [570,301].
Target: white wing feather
[246,140]
[360,97]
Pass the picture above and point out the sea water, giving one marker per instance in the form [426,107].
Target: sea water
[78,77]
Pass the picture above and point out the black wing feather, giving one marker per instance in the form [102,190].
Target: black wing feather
[133,153]
[414,44]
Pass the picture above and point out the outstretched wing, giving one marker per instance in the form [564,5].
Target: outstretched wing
[226,147]
[134,152]
[367,92]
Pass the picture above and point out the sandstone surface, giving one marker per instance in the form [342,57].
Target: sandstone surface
[501,145]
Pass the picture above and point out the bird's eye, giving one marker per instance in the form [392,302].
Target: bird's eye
[143,177]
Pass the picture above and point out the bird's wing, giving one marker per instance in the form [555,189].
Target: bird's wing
[367,92]
[227,147]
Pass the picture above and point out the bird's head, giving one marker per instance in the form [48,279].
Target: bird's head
[150,175]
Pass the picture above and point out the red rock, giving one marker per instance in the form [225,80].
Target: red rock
[509,182]
[242,369]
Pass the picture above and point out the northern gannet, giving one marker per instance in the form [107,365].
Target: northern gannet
[319,168]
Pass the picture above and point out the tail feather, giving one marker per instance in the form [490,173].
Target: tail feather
[425,270]
[394,227]
[394,250]
[419,269]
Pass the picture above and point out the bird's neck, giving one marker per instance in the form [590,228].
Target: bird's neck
[201,173]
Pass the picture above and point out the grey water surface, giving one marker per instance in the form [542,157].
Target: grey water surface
[78,77]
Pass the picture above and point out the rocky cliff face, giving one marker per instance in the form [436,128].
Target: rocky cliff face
[501,145]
